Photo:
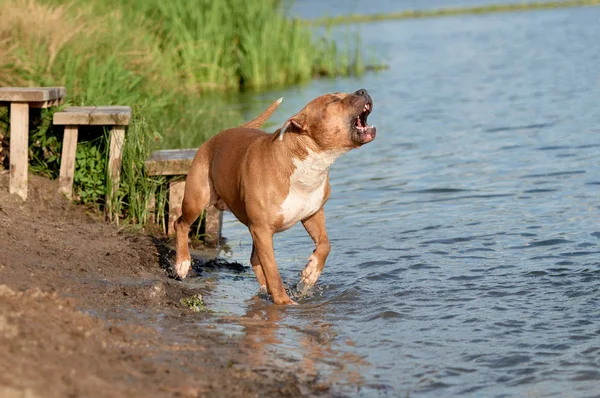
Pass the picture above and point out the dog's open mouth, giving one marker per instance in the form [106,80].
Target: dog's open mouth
[362,132]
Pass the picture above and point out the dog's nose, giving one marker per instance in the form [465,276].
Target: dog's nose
[362,92]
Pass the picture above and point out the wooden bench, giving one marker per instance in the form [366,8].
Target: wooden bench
[174,162]
[20,99]
[74,116]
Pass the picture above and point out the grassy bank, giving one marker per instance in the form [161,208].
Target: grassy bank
[444,12]
[165,59]
[151,46]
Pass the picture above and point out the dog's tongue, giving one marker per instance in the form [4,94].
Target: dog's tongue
[359,122]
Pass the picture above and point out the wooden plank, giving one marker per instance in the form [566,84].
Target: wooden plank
[31,94]
[19,143]
[94,115]
[176,193]
[212,226]
[67,161]
[110,116]
[170,162]
[73,115]
[169,167]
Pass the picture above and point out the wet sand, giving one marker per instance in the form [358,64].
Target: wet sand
[87,309]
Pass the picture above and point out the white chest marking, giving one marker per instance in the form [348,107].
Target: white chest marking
[307,186]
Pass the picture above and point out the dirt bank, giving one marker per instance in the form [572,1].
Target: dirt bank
[82,310]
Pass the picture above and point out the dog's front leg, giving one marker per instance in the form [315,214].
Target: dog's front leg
[257,268]
[315,226]
[262,240]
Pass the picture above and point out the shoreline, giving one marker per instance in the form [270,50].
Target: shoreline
[87,309]
[449,12]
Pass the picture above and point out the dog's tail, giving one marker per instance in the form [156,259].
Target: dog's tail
[263,117]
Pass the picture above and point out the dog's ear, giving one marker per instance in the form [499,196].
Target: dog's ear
[295,124]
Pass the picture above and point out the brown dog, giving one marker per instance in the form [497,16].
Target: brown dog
[272,181]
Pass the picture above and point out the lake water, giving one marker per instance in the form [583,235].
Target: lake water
[466,238]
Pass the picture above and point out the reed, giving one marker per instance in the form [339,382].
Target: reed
[166,59]
[444,12]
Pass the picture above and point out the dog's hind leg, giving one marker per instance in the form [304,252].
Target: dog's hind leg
[315,226]
[196,199]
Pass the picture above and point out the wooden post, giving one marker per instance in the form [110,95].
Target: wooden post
[176,193]
[212,226]
[115,160]
[115,156]
[19,147]
[67,161]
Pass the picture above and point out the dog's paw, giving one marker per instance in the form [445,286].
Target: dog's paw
[284,301]
[182,268]
[310,275]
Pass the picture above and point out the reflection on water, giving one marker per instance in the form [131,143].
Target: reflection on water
[312,348]
[466,238]
[298,336]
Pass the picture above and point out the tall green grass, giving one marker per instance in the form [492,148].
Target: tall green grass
[166,59]
[202,45]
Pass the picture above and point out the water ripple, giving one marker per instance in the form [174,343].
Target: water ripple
[515,128]
[385,315]
[555,174]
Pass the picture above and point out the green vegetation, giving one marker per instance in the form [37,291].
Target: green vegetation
[485,9]
[122,51]
[195,303]
[166,59]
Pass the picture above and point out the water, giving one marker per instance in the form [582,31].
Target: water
[466,238]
